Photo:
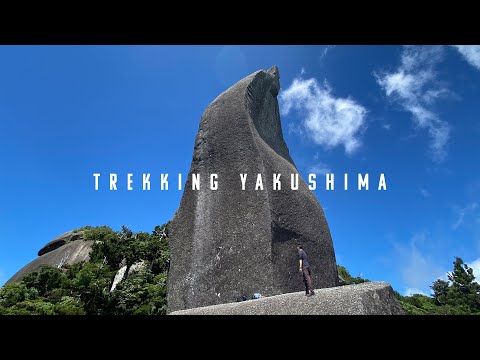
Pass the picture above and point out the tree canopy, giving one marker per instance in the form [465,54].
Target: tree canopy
[460,295]
[85,288]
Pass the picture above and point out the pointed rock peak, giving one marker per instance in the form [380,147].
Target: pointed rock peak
[232,242]
[273,71]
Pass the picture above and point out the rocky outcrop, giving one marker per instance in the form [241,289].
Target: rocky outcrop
[68,248]
[371,298]
[60,241]
[118,277]
[229,241]
[122,273]
[138,267]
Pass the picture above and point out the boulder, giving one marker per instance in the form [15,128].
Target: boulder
[138,267]
[370,298]
[67,249]
[229,241]
[118,277]
[60,241]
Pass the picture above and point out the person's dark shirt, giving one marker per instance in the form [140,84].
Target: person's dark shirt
[303,256]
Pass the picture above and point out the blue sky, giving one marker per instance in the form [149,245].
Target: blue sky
[409,112]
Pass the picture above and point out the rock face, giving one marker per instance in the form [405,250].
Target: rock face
[372,298]
[60,241]
[118,277]
[228,242]
[68,248]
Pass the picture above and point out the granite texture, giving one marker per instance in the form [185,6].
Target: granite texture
[60,241]
[372,298]
[118,277]
[229,242]
[68,248]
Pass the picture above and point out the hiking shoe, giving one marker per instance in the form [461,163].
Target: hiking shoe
[311,293]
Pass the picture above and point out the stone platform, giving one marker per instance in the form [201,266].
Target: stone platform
[372,298]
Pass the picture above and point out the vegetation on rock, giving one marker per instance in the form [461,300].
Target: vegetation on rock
[349,279]
[85,288]
[460,295]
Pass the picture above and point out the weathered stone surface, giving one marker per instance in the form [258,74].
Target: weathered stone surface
[138,267]
[228,242]
[60,241]
[122,273]
[372,298]
[71,253]
[118,277]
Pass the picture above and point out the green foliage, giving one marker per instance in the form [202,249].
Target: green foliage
[85,288]
[14,293]
[349,279]
[440,291]
[69,306]
[464,291]
[458,296]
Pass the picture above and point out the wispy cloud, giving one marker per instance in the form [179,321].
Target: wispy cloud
[325,51]
[328,121]
[471,53]
[412,291]
[319,169]
[464,212]
[425,193]
[475,265]
[386,126]
[417,269]
[414,85]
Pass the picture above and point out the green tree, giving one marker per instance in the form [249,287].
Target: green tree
[14,293]
[69,306]
[464,291]
[84,288]
[458,296]
[440,291]
[47,281]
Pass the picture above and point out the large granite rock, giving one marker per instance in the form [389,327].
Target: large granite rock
[372,298]
[118,277]
[228,242]
[60,241]
[68,248]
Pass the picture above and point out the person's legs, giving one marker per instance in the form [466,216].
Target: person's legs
[305,282]
[308,281]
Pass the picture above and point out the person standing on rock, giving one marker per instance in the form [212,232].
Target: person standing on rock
[305,270]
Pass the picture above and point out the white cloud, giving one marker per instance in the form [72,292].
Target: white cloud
[412,291]
[463,212]
[325,51]
[319,169]
[386,126]
[475,265]
[414,85]
[424,193]
[471,53]
[327,120]
[417,269]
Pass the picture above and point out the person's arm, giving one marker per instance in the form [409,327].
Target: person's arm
[301,263]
